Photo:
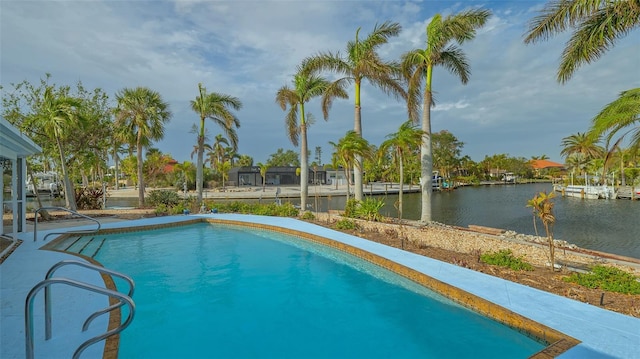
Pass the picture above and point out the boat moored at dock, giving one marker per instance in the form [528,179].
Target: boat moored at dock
[586,192]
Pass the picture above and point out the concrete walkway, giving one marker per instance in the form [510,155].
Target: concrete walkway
[604,334]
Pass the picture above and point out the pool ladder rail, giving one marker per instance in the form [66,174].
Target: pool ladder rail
[35,224]
[50,280]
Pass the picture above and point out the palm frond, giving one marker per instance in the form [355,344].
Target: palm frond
[620,114]
[462,26]
[335,89]
[558,15]
[597,23]
[291,125]
[380,35]
[455,60]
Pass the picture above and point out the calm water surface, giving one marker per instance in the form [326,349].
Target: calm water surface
[208,291]
[605,225]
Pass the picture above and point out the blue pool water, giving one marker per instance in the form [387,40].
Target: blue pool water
[216,291]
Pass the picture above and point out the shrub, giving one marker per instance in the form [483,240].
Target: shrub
[370,208]
[161,209]
[607,278]
[270,209]
[505,258]
[346,224]
[351,208]
[89,198]
[308,215]
[168,198]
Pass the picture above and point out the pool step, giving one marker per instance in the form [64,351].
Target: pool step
[85,245]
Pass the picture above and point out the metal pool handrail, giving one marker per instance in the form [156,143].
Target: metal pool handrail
[35,225]
[48,282]
[85,326]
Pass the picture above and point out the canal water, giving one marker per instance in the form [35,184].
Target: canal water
[605,225]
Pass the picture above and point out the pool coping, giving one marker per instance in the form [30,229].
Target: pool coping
[578,330]
[555,342]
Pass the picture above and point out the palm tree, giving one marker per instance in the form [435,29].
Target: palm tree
[186,171]
[542,205]
[218,150]
[401,143]
[621,114]
[542,157]
[223,168]
[216,107]
[143,113]
[597,24]
[347,151]
[582,148]
[417,66]
[362,62]
[264,167]
[118,141]
[59,113]
[305,87]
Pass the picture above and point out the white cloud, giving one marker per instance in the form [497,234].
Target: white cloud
[249,49]
[460,104]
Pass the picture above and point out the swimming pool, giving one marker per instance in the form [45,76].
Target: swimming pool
[208,290]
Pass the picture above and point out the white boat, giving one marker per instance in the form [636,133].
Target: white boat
[46,182]
[586,192]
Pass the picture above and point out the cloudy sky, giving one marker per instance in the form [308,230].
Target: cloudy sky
[249,49]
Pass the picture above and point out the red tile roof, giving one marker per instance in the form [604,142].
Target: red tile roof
[540,164]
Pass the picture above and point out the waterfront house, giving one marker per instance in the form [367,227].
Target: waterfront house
[285,175]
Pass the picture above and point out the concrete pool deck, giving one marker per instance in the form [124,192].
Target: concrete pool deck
[603,334]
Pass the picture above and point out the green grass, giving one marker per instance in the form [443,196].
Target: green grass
[610,279]
[346,224]
[505,258]
[270,209]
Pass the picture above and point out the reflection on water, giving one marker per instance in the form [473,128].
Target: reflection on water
[603,225]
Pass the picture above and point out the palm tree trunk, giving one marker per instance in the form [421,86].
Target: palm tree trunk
[304,166]
[357,166]
[551,246]
[43,214]
[199,169]
[426,158]
[69,193]
[116,160]
[140,179]
[348,178]
[401,188]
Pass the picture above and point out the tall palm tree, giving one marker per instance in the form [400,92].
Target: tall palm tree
[186,171]
[119,138]
[417,67]
[581,143]
[347,151]
[305,87]
[579,149]
[362,62]
[401,143]
[59,113]
[216,152]
[264,167]
[216,107]
[596,24]
[142,112]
